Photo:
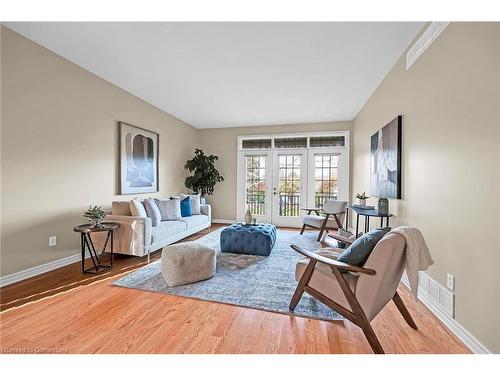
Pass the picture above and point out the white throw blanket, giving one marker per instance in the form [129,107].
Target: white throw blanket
[418,257]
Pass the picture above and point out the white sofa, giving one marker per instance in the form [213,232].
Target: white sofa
[136,236]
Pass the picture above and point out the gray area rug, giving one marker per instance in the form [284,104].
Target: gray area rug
[265,283]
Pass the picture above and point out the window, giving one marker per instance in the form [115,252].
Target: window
[256,143]
[289,185]
[290,142]
[334,141]
[256,184]
[325,178]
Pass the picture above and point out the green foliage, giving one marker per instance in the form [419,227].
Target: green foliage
[95,212]
[204,174]
[362,196]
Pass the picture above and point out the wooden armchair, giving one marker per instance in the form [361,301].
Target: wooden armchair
[357,293]
[332,218]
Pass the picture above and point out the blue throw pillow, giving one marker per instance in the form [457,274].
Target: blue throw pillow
[361,248]
[186,207]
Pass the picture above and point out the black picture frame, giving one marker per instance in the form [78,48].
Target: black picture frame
[385,160]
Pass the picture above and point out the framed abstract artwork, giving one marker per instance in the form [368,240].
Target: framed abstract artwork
[138,159]
[385,160]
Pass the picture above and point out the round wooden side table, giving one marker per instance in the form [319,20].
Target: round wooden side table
[96,255]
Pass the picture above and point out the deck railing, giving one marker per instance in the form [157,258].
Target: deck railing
[289,204]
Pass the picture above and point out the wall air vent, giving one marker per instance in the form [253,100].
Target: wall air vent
[425,40]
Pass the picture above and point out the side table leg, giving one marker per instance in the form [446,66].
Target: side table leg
[82,244]
[357,225]
[92,252]
[111,252]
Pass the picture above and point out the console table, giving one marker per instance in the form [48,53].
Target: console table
[86,242]
[368,214]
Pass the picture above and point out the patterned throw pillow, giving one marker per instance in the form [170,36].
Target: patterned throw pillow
[170,209]
[152,211]
[137,208]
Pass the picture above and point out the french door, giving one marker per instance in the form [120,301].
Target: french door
[276,183]
[289,188]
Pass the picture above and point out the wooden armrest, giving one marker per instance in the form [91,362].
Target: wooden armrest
[334,213]
[333,263]
[311,209]
[340,238]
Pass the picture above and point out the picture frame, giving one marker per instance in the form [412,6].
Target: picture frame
[139,159]
[385,160]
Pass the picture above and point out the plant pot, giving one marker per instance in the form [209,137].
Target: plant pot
[96,223]
[362,202]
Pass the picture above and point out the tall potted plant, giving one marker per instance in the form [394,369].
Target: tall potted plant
[204,175]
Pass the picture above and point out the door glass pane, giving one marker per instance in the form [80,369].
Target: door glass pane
[255,184]
[325,178]
[289,185]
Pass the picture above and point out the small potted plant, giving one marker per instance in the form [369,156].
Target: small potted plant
[362,198]
[95,215]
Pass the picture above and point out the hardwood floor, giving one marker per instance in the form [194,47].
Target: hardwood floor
[64,311]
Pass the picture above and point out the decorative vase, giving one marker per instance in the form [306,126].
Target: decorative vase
[383,206]
[248,217]
[362,202]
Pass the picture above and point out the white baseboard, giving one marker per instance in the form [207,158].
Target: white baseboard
[442,312]
[223,221]
[38,270]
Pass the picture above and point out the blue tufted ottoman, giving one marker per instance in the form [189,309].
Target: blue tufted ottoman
[256,239]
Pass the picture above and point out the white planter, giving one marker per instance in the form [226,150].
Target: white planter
[362,202]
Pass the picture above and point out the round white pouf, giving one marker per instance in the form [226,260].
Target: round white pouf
[187,262]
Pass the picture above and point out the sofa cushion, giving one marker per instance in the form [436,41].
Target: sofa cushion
[361,248]
[170,209]
[121,208]
[195,220]
[152,211]
[166,229]
[137,208]
[186,206]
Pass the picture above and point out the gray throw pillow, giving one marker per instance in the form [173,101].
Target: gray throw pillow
[361,248]
[195,204]
[152,211]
